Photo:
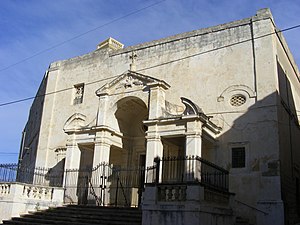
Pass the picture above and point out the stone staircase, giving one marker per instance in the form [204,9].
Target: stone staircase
[81,215]
[241,221]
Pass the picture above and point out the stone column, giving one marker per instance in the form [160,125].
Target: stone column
[193,145]
[157,99]
[102,148]
[72,156]
[101,166]
[103,102]
[154,150]
[72,165]
[193,138]
[193,148]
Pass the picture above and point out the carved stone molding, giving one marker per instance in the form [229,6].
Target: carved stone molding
[75,122]
[130,80]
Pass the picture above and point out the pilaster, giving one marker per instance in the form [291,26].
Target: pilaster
[103,102]
[154,150]
[193,138]
[73,155]
[157,99]
[102,148]
[193,148]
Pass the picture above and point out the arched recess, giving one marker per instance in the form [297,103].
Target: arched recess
[130,113]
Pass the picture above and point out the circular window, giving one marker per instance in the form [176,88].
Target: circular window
[237,100]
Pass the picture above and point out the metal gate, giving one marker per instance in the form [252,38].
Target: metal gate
[104,185]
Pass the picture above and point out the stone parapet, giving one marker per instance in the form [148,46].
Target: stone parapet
[19,198]
[184,204]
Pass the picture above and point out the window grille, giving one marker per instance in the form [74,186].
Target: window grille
[238,157]
[237,100]
[78,96]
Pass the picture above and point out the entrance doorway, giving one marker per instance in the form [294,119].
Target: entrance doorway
[129,160]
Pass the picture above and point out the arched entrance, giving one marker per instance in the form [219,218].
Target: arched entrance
[129,160]
[130,113]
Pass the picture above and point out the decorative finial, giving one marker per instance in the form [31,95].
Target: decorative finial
[133,57]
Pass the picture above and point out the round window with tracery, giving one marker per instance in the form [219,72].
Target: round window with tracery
[237,100]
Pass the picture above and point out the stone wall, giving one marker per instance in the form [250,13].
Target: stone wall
[192,206]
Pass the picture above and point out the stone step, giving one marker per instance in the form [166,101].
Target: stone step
[21,222]
[241,221]
[81,215]
[99,209]
[91,213]
[84,218]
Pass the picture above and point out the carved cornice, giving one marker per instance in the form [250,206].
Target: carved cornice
[192,113]
[128,80]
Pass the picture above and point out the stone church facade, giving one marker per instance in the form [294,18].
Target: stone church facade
[228,95]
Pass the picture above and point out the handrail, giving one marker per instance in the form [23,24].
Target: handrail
[252,207]
[92,191]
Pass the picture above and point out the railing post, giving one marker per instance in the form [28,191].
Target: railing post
[117,191]
[157,172]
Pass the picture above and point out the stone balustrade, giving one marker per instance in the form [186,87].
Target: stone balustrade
[172,193]
[4,189]
[36,192]
[19,198]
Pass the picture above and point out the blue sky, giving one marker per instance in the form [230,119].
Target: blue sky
[31,26]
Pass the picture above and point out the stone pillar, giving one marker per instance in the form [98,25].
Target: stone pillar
[193,148]
[72,164]
[103,100]
[157,99]
[101,156]
[72,156]
[154,150]
[102,148]
[193,138]
[193,145]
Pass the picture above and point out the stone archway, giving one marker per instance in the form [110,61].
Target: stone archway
[130,113]
[128,159]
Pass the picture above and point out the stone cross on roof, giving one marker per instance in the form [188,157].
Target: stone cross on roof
[132,64]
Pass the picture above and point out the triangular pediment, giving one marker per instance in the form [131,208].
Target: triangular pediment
[75,122]
[129,81]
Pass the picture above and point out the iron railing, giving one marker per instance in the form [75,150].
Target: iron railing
[188,170]
[108,185]
[8,172]
[104,185]
[36,176]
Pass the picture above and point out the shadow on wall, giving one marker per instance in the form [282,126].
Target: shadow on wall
[261,152]
[55,175]
[31,132]
[289,141]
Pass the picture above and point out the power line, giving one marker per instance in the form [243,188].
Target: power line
[50,93]
[80,35]
[225,46]
[154,66]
